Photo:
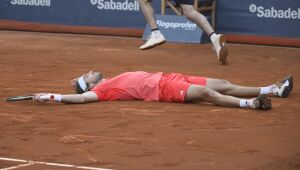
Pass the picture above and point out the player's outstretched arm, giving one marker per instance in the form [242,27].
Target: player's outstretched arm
[66,98]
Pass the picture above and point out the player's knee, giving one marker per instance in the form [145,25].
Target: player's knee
[209,94]
[225,85]
[225,82]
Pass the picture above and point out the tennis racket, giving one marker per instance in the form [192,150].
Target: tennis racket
[19,98]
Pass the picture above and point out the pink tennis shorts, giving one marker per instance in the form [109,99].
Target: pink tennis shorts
[173,87]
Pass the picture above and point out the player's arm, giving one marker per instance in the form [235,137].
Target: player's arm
[67,98]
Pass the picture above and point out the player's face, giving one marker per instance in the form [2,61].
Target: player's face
[92,77]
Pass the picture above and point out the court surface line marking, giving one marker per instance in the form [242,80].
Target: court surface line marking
[46,163]
[18,166]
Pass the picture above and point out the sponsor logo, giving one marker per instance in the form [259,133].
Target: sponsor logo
[272,12]
[176,25]
[41,3]
[117,6]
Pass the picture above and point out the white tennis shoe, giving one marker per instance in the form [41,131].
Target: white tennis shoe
[154,39]
[284,87]
[220,48]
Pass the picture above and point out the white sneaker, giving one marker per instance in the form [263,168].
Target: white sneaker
[154,39]
[284,87]
[220,48]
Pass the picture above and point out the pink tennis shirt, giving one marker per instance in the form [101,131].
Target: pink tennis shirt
[138,85]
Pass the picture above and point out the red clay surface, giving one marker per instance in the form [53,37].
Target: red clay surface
[143,135]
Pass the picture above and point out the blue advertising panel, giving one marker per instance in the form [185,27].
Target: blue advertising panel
[279,18]
[178,29]
[273,18]
[107,13]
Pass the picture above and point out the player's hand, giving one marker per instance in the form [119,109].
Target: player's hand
[39,97]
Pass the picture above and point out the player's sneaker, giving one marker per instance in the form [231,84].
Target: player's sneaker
[154,39]
[262,102]
[284,87]
[220,48]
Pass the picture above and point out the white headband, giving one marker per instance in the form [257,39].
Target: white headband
[82,84]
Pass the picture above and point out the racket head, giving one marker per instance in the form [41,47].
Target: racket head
[19,98]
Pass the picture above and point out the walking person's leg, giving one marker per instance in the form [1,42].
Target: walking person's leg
[218,40]
[156,36]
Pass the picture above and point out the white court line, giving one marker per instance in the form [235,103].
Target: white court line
[18,166]
[48,163]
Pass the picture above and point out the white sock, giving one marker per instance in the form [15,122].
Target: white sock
[267,90]
[243,103]
[213,37]
[155,32]
[247,103]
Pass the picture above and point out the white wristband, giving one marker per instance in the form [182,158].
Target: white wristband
[51,96]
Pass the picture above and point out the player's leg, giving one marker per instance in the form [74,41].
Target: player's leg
[224,86]
[218,40]
[156,37]
[281,89]
[201,93]
[148,12]
[189,11]
[227,88]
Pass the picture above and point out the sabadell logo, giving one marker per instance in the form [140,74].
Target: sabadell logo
[118,6]
[40,3]
[273,12]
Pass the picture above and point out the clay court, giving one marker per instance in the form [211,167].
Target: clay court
[132,135]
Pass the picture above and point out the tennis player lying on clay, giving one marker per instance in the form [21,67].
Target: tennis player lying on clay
[174,87]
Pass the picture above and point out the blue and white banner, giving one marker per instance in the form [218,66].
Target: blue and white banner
[279,18]
[106,13]
[178,29]
[274,18]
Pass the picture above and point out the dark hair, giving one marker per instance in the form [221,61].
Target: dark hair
[78,89]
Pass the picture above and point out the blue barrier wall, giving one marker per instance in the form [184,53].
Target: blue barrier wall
[107,13]
[178,29]
[280,18]
[273,18]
